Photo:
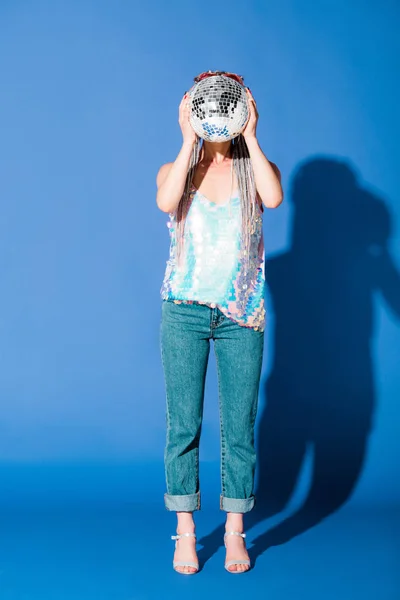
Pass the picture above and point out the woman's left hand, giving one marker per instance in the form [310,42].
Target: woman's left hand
[250,130]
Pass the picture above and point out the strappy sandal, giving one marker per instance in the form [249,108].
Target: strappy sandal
[236,561]
[181,563]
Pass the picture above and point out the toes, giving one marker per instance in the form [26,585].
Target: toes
[185,569]
[238,567]
[233,567]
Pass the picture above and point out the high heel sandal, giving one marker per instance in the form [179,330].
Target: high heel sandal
[236,561]
[181,563]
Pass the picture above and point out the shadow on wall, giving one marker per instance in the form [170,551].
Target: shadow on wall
[320,391]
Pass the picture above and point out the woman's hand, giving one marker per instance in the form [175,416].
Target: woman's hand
[188,133]
[250,129]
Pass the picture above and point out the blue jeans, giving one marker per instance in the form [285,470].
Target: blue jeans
[185,333]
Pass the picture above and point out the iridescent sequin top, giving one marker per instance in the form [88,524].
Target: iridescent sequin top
[211,271]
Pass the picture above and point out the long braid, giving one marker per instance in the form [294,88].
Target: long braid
[245,176]
[183,206]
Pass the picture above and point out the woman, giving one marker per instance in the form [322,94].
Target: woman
[216,292]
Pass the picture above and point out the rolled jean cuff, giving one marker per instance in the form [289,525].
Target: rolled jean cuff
[184,503]
[239,505]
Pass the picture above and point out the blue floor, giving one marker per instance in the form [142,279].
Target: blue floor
[70,534]
[126,554]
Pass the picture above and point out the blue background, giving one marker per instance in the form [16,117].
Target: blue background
[88,113]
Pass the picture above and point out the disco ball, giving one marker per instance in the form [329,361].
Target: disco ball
[219,108]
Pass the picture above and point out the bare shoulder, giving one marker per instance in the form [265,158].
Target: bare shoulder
[162,173]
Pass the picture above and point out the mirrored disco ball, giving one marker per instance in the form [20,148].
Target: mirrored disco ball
[219,108]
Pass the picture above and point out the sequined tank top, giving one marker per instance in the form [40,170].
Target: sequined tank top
[211,271]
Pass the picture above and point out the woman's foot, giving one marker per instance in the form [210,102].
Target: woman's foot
[186,551]
[186,545]
[235,544]
[236,549]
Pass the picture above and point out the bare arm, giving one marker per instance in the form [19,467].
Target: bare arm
[266,174]
[171,179]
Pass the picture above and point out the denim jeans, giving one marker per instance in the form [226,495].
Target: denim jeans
[185,333]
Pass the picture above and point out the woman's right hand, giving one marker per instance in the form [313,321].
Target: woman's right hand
[188,133]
